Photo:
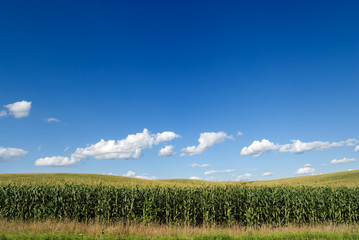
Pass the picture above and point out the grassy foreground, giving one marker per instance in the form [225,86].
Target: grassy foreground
[74,230]
[250,236]
[339,179]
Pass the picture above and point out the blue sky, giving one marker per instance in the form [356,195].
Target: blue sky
[184,77]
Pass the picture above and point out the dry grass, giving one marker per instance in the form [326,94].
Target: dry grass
[151,230]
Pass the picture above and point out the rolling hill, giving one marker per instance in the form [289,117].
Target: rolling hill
[346,179]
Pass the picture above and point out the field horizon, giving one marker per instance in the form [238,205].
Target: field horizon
[337,179]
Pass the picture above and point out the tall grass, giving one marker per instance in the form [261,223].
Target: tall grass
[213,205]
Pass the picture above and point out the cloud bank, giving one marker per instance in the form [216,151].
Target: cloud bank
[301,147]
[129,148]
[258,148]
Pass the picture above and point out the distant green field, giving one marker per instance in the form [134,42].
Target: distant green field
[346,179]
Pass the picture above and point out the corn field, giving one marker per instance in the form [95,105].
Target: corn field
[225,205]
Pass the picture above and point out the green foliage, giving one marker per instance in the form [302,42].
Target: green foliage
[226,205]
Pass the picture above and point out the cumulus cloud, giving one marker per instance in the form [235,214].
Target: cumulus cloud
[52,120]
[167,151]
[343,160]
[267,174]
[194,165]
[66,148]
[130,174]
[129,148]
[258,148]
[356,149]
[194,178]
[164,137]
[307,169]
[298,146]
[19,109]
[206,140]
[212,172]
[246,176]
[239,133]
[7,154]
[55,161]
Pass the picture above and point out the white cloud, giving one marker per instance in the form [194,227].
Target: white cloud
[7,154]
[194,165]
[257,148]
[146,177]
[356,149]
[167,151]
[239,133]
[66,148]
[165,137]
[56,161]
[143,176]
[350,169]
[206,140]
[343,160]
[307,169]
[3,113]
[129,148]
[298,146]
[111,174]
[194,178]
[267,174]
[52,120]
[212,172]
[246,176]
[19,109]
[130,174]
[351,142]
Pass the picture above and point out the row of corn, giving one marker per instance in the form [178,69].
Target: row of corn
[226,205]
